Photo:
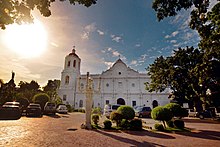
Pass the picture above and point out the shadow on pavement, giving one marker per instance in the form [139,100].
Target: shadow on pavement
[201,121]
[151,134]
[204,134]
[54,116]
[126,140]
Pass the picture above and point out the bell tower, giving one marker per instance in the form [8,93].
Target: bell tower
[69,77]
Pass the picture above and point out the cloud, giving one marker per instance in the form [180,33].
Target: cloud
[87,30]
[137,45]
[54,44]
[172,34]
[133,62]
[114,53]
[100,32]
[173,41]
[116,38]
[109,64]
[159,52]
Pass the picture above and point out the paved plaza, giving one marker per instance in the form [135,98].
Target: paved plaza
[64,130]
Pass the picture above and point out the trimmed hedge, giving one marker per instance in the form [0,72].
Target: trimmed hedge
[179,124]
[136,124]
[95,119]
[116,117]
[159,127]
[127,112]
[107,124]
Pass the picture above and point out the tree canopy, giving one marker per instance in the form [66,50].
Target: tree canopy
[190,72]
[20,11]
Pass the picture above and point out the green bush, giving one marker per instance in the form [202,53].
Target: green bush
[159,127]
[179,124]
[97,110]
[41,98]
[95,119]
[107,124]
[184,112]
[116,117]
[136,124]
[174,108]
[127,112]
[124,124]
[81,110]
[69,108]
[170,123]
[161,113]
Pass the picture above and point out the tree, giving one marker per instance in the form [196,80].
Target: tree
[177,73]
[51,89]
[20,11]
[28,90]
[41,98]
[161,113]
[205,74]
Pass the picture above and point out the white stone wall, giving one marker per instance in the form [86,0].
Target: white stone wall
[117,82]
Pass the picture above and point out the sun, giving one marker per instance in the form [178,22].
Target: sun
[27,40]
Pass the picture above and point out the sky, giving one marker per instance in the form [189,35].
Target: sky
[100,34]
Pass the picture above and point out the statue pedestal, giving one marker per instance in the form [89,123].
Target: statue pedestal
[88,112]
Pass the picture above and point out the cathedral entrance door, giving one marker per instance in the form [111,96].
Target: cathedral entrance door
[121,101]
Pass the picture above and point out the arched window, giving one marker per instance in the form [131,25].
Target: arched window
[74,63]
[68,64]
[81,103]
[67,78]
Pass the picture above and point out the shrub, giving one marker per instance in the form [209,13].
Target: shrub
[162,114]
[125,124]
[184,112]
[95,119]
[136,124]
[127,112]
[116,117]
[170,123]
[81,110]
[97,110]
[174,108]
[69,108]
[107,124]
[179,124]
[159,127]
[41,98]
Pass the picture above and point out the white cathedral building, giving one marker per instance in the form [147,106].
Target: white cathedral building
[117,85]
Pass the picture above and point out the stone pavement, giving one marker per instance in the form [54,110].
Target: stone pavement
[65,131]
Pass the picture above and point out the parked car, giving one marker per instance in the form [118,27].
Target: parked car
[143,112]
[192,113]
[110,108]
[62,109]
[10,110]
[50,108]
[33,110]
[208,113]
[9,104]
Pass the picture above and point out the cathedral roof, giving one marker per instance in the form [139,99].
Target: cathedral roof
[73,53]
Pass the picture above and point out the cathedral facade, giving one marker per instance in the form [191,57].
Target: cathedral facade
[117,85]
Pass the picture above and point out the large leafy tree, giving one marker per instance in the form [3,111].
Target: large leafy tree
[28,90]
[20,11]
[176,73]
[51,89]
[204,73]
